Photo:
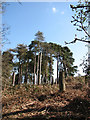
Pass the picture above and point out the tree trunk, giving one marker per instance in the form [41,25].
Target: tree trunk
[20,74]
[26,77]
[13,78]
[57,71]
[46,75]
[43,77]
[51,69]
[52,80]
[61,82]
[34,69]
[40,68]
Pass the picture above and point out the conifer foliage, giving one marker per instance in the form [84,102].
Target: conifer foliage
[33,63]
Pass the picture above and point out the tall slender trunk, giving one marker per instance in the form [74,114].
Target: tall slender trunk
[38,69]
[51,70]
[26,75]
[57,71]
[46,76]
[43,77]
[89,44]
[61,81]
[34,69]
[20,74]
[19,78]
[64,66]
[13,78]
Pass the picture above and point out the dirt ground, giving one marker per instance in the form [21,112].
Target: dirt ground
[45,102]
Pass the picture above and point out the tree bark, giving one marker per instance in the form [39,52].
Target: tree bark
[13,78]
[61,82]
[57,71]
[46,75]
[34,69]
[38,69]
[26,77]
[51,70]
[20,74]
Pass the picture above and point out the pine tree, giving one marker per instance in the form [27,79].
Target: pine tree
[7,66]
[39,38]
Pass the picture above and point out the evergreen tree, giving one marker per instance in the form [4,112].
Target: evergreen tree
[7,66]
[20,52]
[39,38]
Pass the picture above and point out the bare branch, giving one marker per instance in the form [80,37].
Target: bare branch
[77,39]
[73,7]
[85,30]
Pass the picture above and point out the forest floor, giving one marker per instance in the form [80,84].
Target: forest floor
[46,102]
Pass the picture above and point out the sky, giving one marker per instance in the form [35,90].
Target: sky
[51,18]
